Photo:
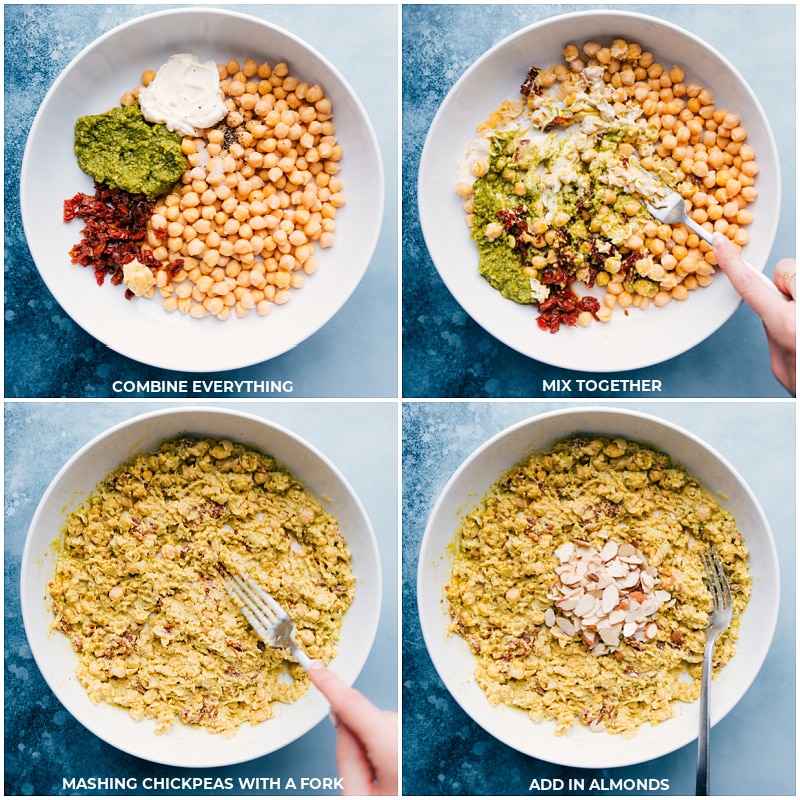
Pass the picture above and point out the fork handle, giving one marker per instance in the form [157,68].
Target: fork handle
[301,657]
[704,732]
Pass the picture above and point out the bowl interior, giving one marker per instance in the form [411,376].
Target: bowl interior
[452,657]
[94,82]
[639,338]
[184,746]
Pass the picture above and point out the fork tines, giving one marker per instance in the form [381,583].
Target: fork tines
[716,579]
[260,610]
[268,618]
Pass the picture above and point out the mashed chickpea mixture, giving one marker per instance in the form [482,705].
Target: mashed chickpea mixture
[579,587]
[139,591]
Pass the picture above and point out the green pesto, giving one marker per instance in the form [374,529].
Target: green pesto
[501,267]
[122,150]
[498,262]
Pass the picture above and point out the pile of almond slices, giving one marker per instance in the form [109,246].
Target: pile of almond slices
[606,595]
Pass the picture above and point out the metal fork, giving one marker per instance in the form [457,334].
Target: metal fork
[269,620]
[720,619]
[672,210]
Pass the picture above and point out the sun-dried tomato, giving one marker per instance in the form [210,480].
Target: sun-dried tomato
[556,275]
[555,122]
[116,228]
[562,307]
[531,85]
[515,223]
[590,304]
[629,262]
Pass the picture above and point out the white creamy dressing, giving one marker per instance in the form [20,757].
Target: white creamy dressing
[185,95]
[476,151]
[564,145]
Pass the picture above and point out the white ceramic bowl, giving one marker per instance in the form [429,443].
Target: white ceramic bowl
[93,82]
[184,746]
[454,660]
[641,338]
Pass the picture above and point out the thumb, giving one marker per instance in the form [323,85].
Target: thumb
[763,299]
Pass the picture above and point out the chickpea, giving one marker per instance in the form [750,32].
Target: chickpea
[625,299]
[750,169]
[268,180]
[604,314]
[680,292]
[662,298]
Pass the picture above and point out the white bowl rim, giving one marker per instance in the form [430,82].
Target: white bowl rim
[180,411]
[205,11]
[431,637]
[772,224]
[371,239]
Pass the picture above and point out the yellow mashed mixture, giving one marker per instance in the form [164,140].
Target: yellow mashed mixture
[138,587]
[625,654]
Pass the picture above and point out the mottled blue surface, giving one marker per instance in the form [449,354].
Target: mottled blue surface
[445,353]
[753,748]
[43,742]
[48,355]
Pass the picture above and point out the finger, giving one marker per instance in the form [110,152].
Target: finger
[761,298]
[354,767]
[364,719]
[785,277]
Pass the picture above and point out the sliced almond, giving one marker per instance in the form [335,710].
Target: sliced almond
[609,550]
[565,626]
[631,580]
[569,603]
[569,578]
[617,569]
[629,629]
[610,598]
[605,580]
[610,636]
[565,552]
[617,615]
[584,605]
[605,596]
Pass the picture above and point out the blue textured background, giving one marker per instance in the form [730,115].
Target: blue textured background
[445,353]
[48,355]
[43,742]
[752,749]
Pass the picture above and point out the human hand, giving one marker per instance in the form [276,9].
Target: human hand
[366,742]
[778,312]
